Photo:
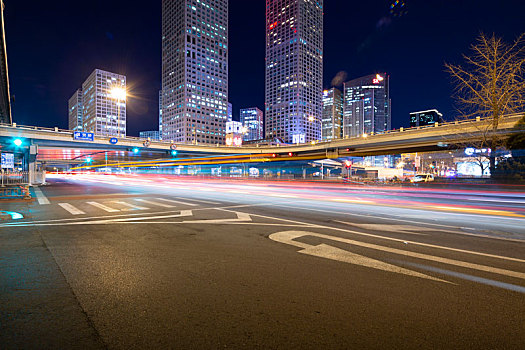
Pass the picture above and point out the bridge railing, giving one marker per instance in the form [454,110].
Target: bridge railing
[138,139]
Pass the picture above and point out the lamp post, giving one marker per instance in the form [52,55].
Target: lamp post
[119,94]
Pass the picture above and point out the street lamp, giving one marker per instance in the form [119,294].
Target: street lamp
[119,94]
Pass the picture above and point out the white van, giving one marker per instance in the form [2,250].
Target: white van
[423,178]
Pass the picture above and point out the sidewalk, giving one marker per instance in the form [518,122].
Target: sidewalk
[38,309]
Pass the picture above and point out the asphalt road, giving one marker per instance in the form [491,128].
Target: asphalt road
[143,262]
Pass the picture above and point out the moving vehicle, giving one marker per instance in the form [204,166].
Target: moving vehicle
[423,178]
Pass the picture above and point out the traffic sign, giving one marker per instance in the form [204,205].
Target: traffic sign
[8,161]
[83,136]
[113,140]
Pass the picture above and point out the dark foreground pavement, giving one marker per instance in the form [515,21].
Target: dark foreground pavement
[118,264]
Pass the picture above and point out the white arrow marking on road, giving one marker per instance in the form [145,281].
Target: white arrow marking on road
[473,266]
[333,253]
[155,203]
[71,209]
[103,207]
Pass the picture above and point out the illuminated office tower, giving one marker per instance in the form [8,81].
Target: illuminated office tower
[104,104]
[294,69]
[230,112]
[332,114]
[366,106]
[160,115]
[194,70]
[252,120]
[75,111]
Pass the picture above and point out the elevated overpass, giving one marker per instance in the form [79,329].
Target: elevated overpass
[406,140]
[52,145]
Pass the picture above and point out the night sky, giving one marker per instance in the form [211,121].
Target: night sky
[53,46]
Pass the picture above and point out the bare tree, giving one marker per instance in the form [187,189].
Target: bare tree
[490,86]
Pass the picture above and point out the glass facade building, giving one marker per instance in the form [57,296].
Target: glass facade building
[194,70]
[160,115]
[75,111]
[253,120]
[332,114]
[367,105]
[294,69]
[230,112]
[423,118]
[102,113]
[152,135]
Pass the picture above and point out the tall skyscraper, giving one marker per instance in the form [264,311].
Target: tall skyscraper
[366,106]
[75,111]
[194,70]
[104,104]
[294,69]
[252,120]
[332,114]
[160,114]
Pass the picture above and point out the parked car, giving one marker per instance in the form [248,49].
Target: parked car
[423,178]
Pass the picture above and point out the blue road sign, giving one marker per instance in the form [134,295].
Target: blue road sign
[8,161]
[83,136]
[113,140]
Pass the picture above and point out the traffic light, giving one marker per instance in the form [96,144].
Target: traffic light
[174,153]
[18,142]
[135,150]
[291,154]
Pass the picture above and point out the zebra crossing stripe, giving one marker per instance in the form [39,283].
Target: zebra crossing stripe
[71,209]
[155,203]
[178,202]
[103,207]
[135,207]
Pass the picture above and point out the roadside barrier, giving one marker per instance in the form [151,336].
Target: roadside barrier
[14,184]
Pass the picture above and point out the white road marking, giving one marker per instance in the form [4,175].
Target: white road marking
[103,207]
[387,238]
[71,209]
[241,217]
[41,198]
[131,206]
[285,237]
[480,235]
[178,202]
[197,200]
[333,253]
[390,228]
[154,203]
[132,220]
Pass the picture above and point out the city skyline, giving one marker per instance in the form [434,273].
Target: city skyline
[357,54]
